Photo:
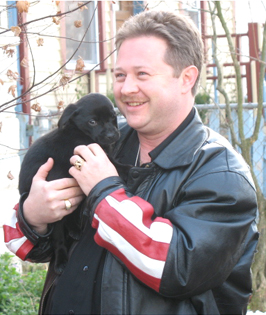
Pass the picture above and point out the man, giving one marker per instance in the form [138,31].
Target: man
[178,234]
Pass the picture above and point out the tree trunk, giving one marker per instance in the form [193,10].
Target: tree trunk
[258,300]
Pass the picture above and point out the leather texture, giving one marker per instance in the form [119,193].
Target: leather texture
[204,187]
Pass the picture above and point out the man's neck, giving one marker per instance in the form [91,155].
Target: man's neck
[147,144]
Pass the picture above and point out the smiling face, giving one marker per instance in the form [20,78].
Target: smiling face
[146,92]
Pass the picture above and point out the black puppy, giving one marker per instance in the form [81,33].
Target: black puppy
[91,119]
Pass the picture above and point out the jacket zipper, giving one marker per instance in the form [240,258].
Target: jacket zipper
[44,296]
[125,295]
[52,283]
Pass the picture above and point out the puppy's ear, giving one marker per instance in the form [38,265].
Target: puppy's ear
[69,111]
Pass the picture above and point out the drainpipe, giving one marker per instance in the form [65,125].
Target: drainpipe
[25,75]
[13,21]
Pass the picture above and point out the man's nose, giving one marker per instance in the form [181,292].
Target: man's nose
[129,86]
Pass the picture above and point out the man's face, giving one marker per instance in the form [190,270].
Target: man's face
[145,90]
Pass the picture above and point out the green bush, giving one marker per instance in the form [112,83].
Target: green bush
[19,293]
[202,98]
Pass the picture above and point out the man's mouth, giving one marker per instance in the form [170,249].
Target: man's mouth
[135,103]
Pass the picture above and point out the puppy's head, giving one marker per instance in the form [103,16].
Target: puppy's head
[94,115]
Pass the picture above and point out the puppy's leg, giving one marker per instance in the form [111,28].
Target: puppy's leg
[60,248]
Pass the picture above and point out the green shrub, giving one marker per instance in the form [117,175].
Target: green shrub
[202,98]
[19,293]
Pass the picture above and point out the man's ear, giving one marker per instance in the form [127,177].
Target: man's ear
[68,113]
[189,76]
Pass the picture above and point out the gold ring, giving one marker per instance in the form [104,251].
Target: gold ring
[68,204]
[79,162]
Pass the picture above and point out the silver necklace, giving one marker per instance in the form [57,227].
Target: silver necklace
[137,157]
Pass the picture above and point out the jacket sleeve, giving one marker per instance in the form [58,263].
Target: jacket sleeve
[14,238]
[193,248]
[22,240]
[125,227]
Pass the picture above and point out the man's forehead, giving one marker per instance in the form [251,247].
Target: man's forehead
[142,44]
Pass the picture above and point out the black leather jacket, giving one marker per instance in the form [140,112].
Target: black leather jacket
[205,189]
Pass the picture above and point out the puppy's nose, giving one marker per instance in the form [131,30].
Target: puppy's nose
[112,136]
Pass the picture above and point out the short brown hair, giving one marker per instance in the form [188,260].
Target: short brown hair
[185,47]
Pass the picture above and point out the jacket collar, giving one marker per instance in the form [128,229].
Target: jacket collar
[182,149]
[179,152]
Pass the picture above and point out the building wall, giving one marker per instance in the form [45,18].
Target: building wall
[42,62]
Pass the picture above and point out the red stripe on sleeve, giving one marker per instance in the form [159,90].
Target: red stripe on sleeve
[125,227]
[139,240]
[150,281]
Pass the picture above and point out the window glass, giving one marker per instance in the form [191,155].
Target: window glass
[89,49]
[192,9]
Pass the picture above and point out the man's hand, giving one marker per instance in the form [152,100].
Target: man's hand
[95,168]
[46,201]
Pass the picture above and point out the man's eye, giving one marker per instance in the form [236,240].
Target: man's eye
[143,75]
[92,122]
[119,76]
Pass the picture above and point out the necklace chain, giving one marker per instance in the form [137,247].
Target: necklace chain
[137,157]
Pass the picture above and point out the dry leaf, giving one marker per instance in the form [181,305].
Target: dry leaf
[16,30]
[10,176]
[10,52]
[65,78]
[57,2]
[1,124]
[60,105]
[56,20]
[22,6]
[78,23]
[80,65]
[58,12]
[1,81]
[82,8]
[40,41]
[24,63]
[5,47]
[36,107]
[12,75]
[12,90]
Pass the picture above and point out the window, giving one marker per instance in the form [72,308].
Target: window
[88,50]
[192,9]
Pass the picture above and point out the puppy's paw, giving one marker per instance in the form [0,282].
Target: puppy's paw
[75,234]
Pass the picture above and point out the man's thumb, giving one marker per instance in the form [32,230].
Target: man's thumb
[44,170]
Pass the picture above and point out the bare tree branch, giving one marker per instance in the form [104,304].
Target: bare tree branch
[60,68]
[57,87]
[220,86]
[48,16]
[261,84]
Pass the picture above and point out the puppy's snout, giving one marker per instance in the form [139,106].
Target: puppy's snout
[112,136]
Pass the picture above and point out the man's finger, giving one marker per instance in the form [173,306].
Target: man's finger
[95,149]
[44,170]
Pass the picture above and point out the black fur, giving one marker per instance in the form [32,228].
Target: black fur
[92,119]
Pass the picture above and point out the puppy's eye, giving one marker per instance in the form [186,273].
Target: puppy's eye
[92,122]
